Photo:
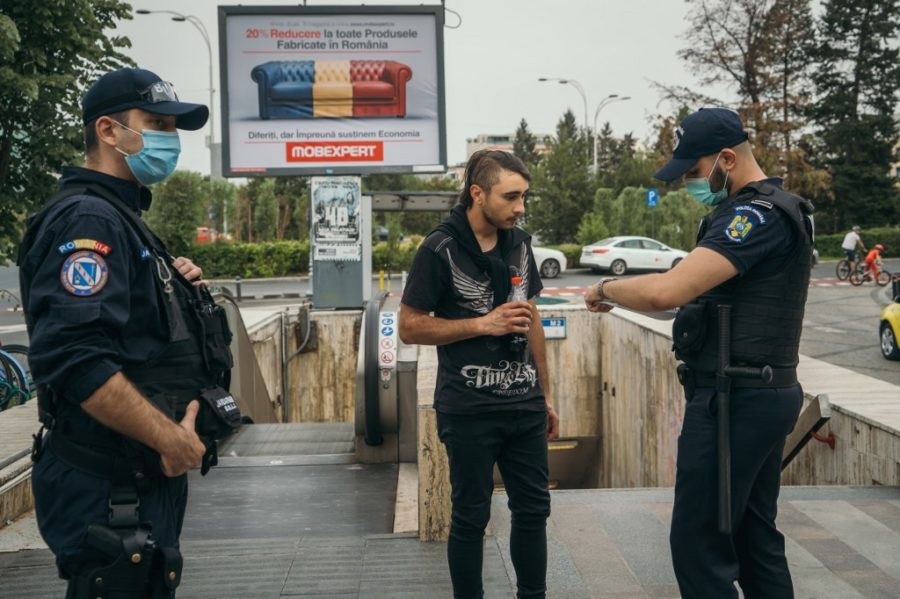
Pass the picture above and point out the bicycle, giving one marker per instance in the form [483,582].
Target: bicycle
[842,270]
[16,384]
[864,274]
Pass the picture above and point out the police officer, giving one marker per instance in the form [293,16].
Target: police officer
[129,352]
[753,253]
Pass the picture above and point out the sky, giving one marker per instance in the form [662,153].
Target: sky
[492,62]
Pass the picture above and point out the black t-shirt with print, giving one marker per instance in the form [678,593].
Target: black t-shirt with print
[481,374]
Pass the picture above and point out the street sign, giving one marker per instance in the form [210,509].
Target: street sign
[652,198]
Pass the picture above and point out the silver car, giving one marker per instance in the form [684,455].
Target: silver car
[619,255]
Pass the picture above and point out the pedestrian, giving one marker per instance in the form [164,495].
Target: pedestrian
[476,273]
[125,339]
[753,254]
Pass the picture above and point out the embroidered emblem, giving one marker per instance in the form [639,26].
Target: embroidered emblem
[740,228]
[84,274]
[84,244]
[145,254]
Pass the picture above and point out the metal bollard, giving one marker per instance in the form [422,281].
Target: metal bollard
[237,287]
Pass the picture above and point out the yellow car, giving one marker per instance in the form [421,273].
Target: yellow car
[890,330]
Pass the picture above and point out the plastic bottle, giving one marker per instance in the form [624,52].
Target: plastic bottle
[518,343]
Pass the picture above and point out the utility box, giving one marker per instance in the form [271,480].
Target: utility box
[340,242]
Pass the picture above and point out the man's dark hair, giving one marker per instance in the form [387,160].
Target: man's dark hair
[90,130]
[483,170]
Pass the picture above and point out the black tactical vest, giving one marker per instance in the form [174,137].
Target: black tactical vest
[195,363]
[767,307]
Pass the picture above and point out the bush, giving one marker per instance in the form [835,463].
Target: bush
[395,259]
[571,251]
[252,260]
[829,246]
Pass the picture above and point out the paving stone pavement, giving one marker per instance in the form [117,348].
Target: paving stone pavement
[323,532]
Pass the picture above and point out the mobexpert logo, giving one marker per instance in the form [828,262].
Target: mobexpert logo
[335,151]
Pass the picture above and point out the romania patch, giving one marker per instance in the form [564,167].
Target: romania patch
[84,274]
[740,228]
[84,244]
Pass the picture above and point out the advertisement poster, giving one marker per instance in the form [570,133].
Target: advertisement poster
[335,218]
[331,90]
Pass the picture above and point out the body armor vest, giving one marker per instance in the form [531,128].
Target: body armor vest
[194,364]
[767,307]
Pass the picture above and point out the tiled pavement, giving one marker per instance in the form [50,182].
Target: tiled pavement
[320,531]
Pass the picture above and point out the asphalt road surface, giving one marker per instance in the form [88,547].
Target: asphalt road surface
[841,324]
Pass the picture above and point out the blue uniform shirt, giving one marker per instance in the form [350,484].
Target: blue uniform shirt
[750,235]
[88,287]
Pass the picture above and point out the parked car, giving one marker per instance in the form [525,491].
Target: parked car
[618,255]
[890,328]
[550,262]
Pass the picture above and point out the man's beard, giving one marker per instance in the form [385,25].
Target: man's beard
[718,180]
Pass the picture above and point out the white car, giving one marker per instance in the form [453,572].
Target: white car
[618,255]
[549,262]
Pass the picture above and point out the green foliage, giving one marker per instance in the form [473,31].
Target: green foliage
[562,186]
[572,252]
[393,258]
[829,246]
[219,205]
[857,84]
[50,52]
[177,210]
[252,260]
[524,145]
[265,211]
[592,228]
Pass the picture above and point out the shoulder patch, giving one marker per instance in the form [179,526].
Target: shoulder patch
[741,226]
[763,203]
[84,274]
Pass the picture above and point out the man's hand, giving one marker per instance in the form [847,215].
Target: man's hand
[594,300]
[513,317]
[189,270]
[184,449]
[552,424]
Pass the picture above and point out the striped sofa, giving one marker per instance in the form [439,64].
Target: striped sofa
[331,88]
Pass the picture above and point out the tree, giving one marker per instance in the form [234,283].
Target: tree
[563,187]
[856,86]
[219,205]
[265,211]
[524,145]
[50,52]
[293,208]
[177,210]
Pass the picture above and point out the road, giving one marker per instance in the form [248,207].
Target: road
[840,327]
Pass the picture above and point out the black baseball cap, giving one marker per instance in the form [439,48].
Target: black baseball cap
[139,88]
[700,134]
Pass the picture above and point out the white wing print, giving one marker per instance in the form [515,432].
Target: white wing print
[479,296]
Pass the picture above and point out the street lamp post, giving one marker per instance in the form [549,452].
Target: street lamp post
[199,26]
[574,83]
[607,100]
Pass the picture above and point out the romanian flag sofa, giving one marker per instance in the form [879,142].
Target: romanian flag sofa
[331,88]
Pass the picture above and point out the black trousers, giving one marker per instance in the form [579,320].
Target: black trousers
[517,442]
[707,562]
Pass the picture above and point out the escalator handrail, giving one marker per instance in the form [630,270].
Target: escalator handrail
[373,434]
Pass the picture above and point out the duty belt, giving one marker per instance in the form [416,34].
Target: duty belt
[107,463]
[781,377]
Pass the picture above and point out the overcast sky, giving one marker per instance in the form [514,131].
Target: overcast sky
[492,62]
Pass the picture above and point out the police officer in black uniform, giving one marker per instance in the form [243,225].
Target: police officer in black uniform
[753,254]
[128,349]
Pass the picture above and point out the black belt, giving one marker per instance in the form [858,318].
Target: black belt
[781,377]
[114,466]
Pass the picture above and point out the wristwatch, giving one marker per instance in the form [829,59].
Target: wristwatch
[600,288]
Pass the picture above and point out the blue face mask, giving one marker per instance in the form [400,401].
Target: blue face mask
[702,191]
[157,159]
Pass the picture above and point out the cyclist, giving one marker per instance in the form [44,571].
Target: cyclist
[873,260]
[851,241]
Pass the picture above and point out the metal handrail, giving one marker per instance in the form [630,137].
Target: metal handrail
[373,434]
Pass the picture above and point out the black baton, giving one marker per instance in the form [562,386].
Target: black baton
[724,374]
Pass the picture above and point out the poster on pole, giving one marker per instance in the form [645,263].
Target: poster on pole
[322,90]
[335,218]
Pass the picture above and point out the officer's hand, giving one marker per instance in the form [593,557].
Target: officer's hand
[185,449]
[513,317]
[189,270]
[552,424]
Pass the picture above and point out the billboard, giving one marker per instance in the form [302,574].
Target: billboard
[331,89]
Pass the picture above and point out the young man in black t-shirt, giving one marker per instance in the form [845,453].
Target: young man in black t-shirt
[492,397]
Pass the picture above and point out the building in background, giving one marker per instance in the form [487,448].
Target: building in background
[490,141]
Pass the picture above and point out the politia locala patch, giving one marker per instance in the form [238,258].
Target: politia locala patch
[84,274]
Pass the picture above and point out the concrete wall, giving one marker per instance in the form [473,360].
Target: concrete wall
[615,377]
